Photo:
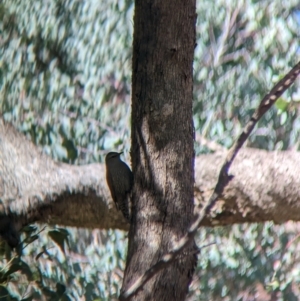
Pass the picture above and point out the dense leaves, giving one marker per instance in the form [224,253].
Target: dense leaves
[66,74]
[65,71]
[244,47]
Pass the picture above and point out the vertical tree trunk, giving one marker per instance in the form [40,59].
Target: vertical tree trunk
[162,144]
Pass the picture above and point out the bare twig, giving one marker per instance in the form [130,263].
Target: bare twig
[223,180]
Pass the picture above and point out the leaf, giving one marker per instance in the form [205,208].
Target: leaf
[71,149]
[39,255]
[29,229]
[50,294]
[60,289]
[25,269]
[3,279]
[45,251]
[30,239]
[65,297]
[14,267]
[4,294]
[66,233]
[281,104]
[59,237]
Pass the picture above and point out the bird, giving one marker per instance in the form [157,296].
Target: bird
[119,179]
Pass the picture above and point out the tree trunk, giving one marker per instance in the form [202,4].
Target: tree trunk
[162,145]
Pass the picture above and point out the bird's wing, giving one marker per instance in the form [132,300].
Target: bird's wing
[111,188]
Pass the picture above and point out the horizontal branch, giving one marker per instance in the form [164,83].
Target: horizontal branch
[266,187]
[34,188]
[74,196]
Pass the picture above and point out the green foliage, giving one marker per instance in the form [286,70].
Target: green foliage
[60,271]
[248,260]
[67,74]
[59,236]
[244,48]
[65,71]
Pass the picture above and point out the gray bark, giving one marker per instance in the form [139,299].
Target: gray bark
[33,187]
[162,145]
[266,186]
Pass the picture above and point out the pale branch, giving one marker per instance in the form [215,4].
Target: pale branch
[268,188]
[35,188]
[223,180]
[270,192]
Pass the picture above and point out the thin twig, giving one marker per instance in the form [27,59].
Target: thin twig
[223,181]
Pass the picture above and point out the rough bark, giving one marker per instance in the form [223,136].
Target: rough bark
[162,144]
[266,186]
[34,188]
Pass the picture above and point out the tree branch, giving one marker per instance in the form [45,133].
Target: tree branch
[270,193]
[35,188]
[224,179]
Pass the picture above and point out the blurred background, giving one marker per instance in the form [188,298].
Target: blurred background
[65,81]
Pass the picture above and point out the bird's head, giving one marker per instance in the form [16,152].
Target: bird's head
[110,156]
